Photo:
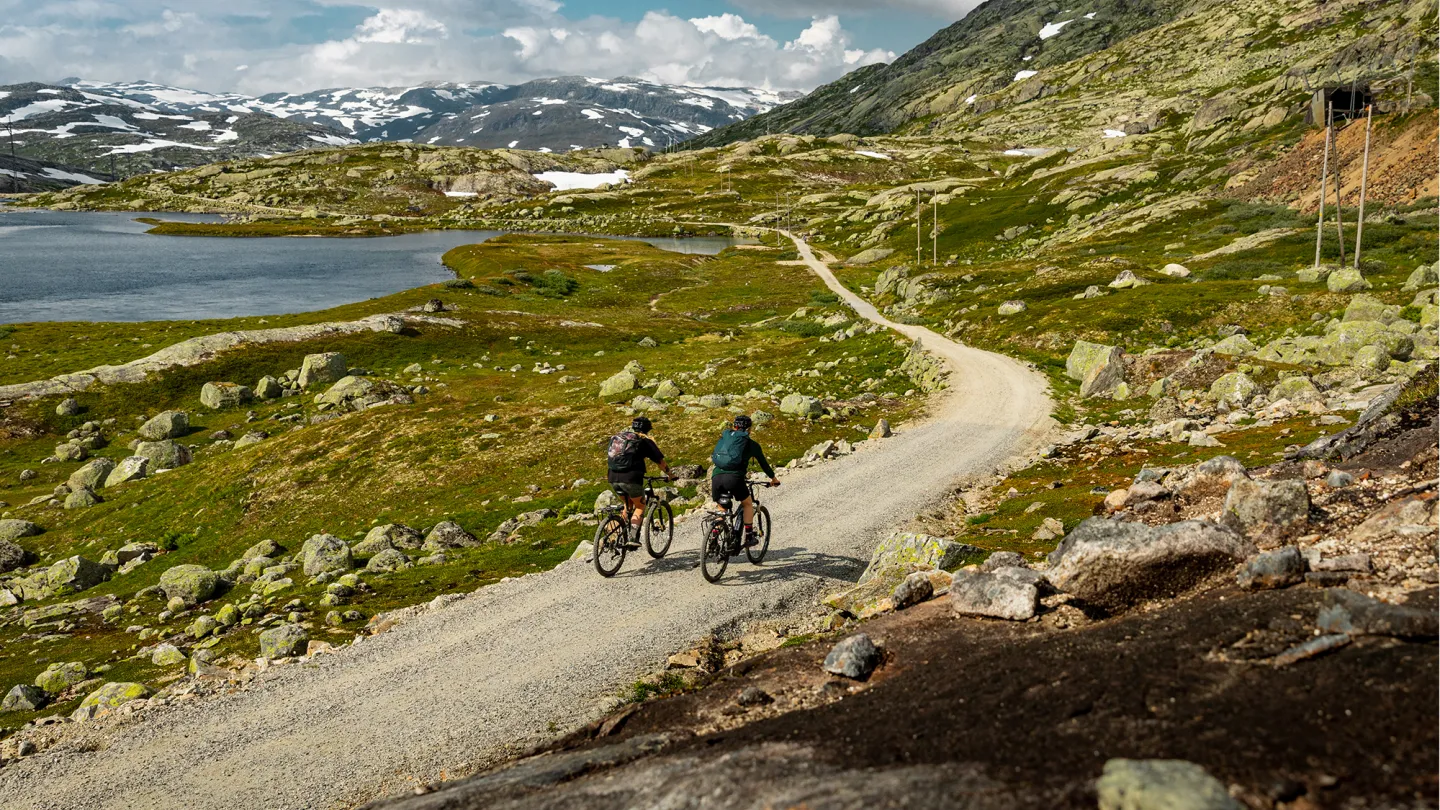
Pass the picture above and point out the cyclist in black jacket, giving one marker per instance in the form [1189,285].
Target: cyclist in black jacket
[731,461]
[628,452]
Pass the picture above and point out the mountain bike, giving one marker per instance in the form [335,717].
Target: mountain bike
[615,536]
[724,534]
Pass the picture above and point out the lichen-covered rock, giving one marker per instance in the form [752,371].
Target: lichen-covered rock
[91,475]
[322,369]
[164,455]
[1012,308]
[24,698]
[1370,308]
[390,559]
[345,390]
[912,590]
[448,534]
[192,584]
[801,405]
[167,655]
[12,529]
[222,395]
[1299,390]
[112,696]
[1235,345]
[325,553]
[868,257]
[668,390]
[75,574]
[12,556]
[129,469]
[59,677]
[269,388]
[1426,276]
[1175,271]
[1097,367]
[903,552]
[82,498]
[1233,389]
[68,407]
[285,641]
[1114,564]
[1372,358]
[925,369]
[619,386]
[165,425]
[71,451]
[1266,511]
[1160,784]
[1340,345]
[390,535]
[1345,280]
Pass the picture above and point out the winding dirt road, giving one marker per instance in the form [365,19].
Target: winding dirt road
[514,663]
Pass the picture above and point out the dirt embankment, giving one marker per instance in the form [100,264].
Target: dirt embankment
[1403,157]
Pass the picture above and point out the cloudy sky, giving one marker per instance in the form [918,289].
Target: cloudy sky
[258,46]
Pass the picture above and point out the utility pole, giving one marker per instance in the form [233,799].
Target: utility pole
[1339,202]
[1364,177]
[935,230]
[14,164]
[1324,189]
[919,209]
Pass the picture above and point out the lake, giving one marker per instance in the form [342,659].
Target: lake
[68,266]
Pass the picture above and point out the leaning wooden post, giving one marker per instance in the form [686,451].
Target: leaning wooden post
[935,230]
[1339,201]
[1364,177]
[1324,190]
[919,212]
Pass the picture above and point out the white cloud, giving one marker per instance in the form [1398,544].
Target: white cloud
[397,25]
[728,27]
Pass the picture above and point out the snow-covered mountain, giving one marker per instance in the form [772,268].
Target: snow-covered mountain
[88,130]
[546,114]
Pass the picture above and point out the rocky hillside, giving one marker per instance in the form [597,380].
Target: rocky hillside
[1036,75]
[79,128]
[22,175]
[558,114]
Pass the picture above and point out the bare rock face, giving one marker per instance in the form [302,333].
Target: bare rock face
[1115,565]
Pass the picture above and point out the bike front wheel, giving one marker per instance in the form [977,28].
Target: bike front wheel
[714,551]
[659,530]
[756,553]
[610,539]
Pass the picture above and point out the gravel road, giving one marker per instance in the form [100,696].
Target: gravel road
[511,664]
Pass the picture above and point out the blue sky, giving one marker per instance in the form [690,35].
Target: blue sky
[258,46]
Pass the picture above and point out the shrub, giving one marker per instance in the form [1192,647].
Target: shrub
[555,284]
[820,299]
[460,284]
[808,329]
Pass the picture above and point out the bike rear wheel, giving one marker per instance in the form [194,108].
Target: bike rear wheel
[659,530]
[715,550]
[756,553]
[610,540]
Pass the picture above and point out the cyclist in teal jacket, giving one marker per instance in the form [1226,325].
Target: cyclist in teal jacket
[731,461]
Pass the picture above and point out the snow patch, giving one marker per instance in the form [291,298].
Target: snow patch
[83,179]
[1054,28]
[971,100]
[573,181]
[876,155]
[461,194]
[593,115]
[152,144]
[1114,133]
[1025,74]
[332,140]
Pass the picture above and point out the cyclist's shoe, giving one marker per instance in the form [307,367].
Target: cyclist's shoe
[632,539]
[751,540]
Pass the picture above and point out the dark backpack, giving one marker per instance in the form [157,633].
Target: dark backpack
[729,455]
[624,452]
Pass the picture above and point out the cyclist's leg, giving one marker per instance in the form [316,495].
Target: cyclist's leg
[635,510]
[749,511]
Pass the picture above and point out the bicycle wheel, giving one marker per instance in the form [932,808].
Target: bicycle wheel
[609,553]
[756,553]
[659,529]
[715,551]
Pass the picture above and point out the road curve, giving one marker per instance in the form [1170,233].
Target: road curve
[513,663]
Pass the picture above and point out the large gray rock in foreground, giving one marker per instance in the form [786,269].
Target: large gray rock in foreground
[192,584]
[16,529]
[855,657]
[164,455]
[1160,784]
[325,553]
[12,556]
[1266,511]
[129,469]
[285,641]
[75,574]
[92,475]
[903,552]
[1098,368]
[1114,565]
[993,596]
[24,698]
[322,369]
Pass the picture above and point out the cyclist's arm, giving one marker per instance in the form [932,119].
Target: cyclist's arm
[757,453]
[652,453]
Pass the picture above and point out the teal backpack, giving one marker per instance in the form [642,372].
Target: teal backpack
[729,455]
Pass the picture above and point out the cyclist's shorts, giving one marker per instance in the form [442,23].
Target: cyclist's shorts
[629,490]
[732,484]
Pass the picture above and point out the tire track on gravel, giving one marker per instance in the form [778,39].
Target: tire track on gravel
[510,664]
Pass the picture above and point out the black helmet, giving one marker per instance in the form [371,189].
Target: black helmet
[641,425]
[742,422]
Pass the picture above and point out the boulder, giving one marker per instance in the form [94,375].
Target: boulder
[285,641]
[92,475]
[390,559]
[221,395]
[1340,345]
[82,498]
[1235,346]
[1012,308]
[903,552]
[1127,279]
[24,698]
[802,405]
[165,425]
[68,407]
[164,455]
[1299,390]
[112,696]
[1114,565]
[854,657]
[881,430]
[12,556]
[264,548]
[12,529]
[191,584]
[1273,569]
[75,574]
[388,536]
[1098,368]
[713,401]
[167,655]
[867,257]
[322,369]
[1266,511]
[129,469]
[1160,784]
[1175,271]
[1370,308]
[1233,389]
[1371,358]
[269,388]
[345,391]
[994,595]
[1356,614]
[668,390]
[1424,278]
[325,553]
[1346,280]
[71,451]
[912,590]
[619,386]
[448,534]
[1002,559]
[59,677]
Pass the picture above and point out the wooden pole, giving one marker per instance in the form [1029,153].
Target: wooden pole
[1339,201]
[919,209]
[1324,190]
[1364,177]
[935,230]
